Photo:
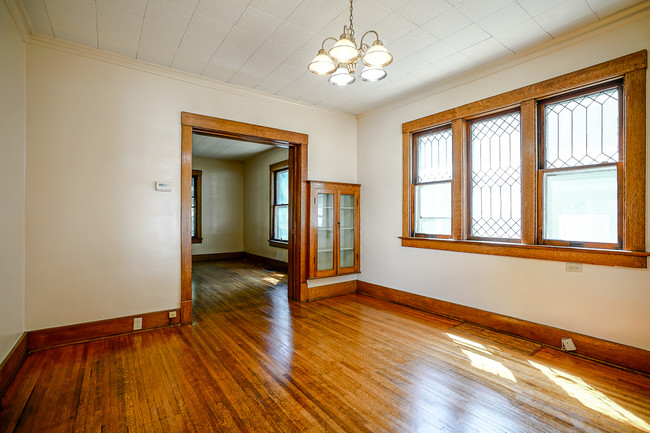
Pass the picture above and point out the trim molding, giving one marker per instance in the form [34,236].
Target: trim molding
[71,334]
[330,290]
[217,256]
[590,347]
[265,261]
[12,363]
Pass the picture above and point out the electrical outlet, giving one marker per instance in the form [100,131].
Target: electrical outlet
[172,314]
[137,323]
[568,344]
[574,267]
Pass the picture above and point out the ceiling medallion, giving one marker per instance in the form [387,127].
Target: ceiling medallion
[341,60]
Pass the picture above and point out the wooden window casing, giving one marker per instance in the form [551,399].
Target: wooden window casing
[197,238]
[627,72]
[274,169]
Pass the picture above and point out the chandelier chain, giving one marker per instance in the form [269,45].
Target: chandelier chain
[351,25]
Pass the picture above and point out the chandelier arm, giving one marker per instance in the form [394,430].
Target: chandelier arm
[322,46]
[362,46]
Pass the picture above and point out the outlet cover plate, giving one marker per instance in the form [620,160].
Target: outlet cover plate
[137,323]
[574,267]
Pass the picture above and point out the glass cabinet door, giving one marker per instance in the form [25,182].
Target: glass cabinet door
[347,235]
[325,227]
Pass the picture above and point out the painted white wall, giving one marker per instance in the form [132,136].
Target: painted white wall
[12,183]
[257,208]
[605,302]
[101,242]
[222,205]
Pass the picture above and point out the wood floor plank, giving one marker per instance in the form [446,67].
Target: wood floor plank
[255,362]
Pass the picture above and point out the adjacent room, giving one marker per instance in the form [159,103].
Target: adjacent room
[324,215]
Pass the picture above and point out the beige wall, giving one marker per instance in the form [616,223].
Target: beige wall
[606,302]
[257,206]
[12,183]
[222,207]
[101,241]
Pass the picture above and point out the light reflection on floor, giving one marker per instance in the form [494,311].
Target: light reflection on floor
[591,398]
[482,362]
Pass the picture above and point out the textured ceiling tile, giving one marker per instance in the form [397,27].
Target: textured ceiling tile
[536,7]
[457,62]
[467,37]
[253,20]
[421,11]
[510,16]
[74,20]
[447,23]
[487,50]
[285,73]
[118,31]
[158,42]
[244,40]
[224,11]
[208,27]
[291,36]
[247,78]
[37,16]
[230,55]
[477,9]
[279,8]
[220,71]
[171,13]
[602,8]
[194,53]
[565,17]
[135,7]
[408,44]
[301,58]
[522,36]
[368,13]
[294,90]
[393,27]
[262,64]
[316,14]
[436,51]
[394,4]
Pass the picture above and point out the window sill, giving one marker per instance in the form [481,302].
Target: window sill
[627,259]
[279,244]
[197,240]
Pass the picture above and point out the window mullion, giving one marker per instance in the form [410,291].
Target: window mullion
[529,166]
[458,181]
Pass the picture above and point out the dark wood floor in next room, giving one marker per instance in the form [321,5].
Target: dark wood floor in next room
[255,362]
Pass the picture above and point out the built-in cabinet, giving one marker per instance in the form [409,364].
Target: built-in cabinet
[334,229]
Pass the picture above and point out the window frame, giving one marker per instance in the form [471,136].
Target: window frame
[274,169]
[631,70]
[415,184]
[198,235]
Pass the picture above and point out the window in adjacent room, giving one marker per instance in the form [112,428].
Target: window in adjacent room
[196,206]
[279,223]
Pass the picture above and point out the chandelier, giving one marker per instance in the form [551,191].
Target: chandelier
[341,59]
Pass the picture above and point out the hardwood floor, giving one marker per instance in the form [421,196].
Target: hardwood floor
[255,362]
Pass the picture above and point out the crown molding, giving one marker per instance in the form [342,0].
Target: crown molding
[590,31]
[17,13]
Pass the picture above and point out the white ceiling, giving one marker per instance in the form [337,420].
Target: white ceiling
[207,146]
[267,44]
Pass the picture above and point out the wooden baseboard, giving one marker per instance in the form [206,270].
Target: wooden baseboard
[591,347]
[217,256]
[266,262]
[63,335]
[12,363]
[329,290]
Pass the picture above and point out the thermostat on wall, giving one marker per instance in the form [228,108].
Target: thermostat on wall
[163,186]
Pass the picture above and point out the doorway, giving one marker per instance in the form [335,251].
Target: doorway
[297,144]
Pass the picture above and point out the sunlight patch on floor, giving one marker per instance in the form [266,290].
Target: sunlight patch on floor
[591,398]
[482,362]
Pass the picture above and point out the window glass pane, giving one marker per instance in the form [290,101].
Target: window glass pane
[582,130]
[346,232]
[325,241]
[281,224]
[282,187]
[581,205]
[433,208]
[434,157]
[496,177]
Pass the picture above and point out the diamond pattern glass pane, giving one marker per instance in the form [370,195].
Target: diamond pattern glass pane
[434,158]
[496,177]
[583,130]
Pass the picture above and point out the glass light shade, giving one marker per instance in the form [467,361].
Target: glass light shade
[370,73]
[341,77]
[377,56]
[322,64]
[344,50]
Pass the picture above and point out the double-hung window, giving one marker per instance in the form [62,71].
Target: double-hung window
[553,171]
[279,224]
